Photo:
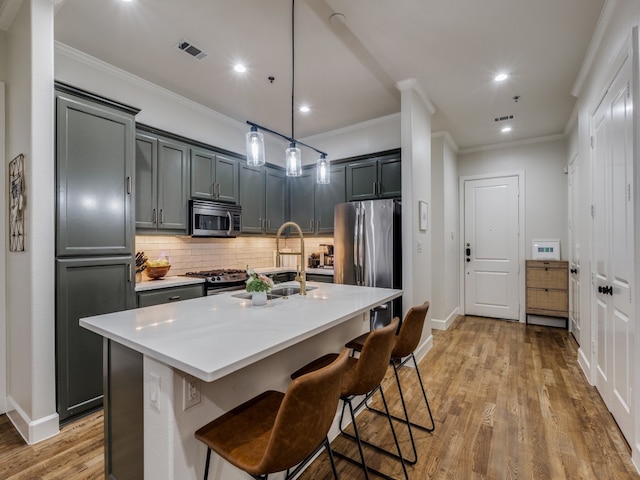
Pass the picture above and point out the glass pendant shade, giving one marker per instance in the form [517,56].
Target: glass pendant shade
[255,147]
[293,161]
[322,170]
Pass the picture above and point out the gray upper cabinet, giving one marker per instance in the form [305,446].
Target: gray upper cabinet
[374,178]
[162,184]
[213,176]
[252,198]
[275,199]
[263,198]
[94,165]
[327,197]
[311,204]
[302,200]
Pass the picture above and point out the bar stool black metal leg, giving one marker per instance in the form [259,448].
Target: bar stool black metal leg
[206,464]
[331,459]
[395,437]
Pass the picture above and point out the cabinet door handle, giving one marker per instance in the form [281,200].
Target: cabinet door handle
[128,272]
[375,188]
[155,216]
[379,188]
[162,215]
[311,224]
[318,224]
[174,298]
[128,185]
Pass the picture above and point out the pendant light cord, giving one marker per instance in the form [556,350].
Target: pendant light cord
[293,63]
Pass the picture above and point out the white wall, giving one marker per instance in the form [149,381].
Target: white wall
[367,137]
[30,292]
[3,246]
[546,185]
[416,111]
[445,226]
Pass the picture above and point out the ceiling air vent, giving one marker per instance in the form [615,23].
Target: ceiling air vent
[503,118]
[191,49]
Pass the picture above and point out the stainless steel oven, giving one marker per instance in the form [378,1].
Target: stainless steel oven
[214,219]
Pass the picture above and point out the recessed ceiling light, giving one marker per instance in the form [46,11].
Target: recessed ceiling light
[506,129]
[305,108]
[240,68]
[501,77]
[127,1]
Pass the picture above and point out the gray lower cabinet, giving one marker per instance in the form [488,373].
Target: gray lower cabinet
[263,198]
[315,277]
[85,287]
[168,295]
[162,184]
[374,178]
[123,412]
[213,176]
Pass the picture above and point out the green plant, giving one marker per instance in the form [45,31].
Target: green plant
[257,282]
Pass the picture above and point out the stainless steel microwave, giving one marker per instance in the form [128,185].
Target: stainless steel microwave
[214,219]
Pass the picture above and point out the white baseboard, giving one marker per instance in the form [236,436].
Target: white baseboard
[446,323]
[423,348]
[585,365]
[32,431]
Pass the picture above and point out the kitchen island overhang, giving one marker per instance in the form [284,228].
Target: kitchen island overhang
[236,349]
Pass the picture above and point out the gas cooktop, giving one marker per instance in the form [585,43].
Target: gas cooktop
[220,275]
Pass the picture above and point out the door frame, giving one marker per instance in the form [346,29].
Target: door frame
[520,174]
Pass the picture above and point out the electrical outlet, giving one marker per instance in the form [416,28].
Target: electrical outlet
[190,392]
[154,392]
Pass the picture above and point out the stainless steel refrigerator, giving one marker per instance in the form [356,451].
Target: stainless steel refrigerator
[368,250]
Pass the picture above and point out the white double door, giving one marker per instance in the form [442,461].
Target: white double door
[613,253]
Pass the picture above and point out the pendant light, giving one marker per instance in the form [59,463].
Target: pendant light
[255,147]
[293,154]
[322,170]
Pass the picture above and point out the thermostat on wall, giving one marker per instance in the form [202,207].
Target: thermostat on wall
[545,249]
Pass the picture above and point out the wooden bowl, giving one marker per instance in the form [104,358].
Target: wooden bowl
[156,273]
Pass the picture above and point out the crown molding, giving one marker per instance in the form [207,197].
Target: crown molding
[107,68]
[392,118]
[448,139]
[413,84]
[516,143]
[594,45]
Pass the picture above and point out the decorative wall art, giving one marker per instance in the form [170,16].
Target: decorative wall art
[16,204]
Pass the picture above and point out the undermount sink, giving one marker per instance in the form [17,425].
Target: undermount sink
[276,292]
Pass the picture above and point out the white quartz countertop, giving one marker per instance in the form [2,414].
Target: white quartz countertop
[166,282]
[210,337]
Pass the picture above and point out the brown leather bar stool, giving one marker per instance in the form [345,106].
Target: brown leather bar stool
[362,377]
[407,341]
[278,431]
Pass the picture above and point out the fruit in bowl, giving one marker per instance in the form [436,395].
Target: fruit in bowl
[157,268]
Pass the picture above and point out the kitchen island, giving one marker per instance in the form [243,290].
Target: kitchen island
[225,347]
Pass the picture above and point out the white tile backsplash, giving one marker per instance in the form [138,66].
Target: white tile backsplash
[188,254]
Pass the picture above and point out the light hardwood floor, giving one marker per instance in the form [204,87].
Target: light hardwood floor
[509,400]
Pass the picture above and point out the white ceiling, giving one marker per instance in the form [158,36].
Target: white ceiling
[347,72]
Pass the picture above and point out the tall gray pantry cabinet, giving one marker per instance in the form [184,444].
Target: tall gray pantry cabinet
[95,141]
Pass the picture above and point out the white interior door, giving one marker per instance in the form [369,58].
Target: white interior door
[491,239]
[613,247]
[574,253]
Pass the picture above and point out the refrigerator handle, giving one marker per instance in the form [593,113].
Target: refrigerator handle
[361,247]
[355,246]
